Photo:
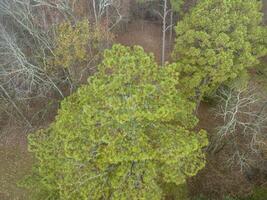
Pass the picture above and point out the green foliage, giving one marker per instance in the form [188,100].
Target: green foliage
[71,44]
[121,136]
[77,43]
[217,42]
[177,4]
[259,193]
[176,192]
[261,73]
[77,46]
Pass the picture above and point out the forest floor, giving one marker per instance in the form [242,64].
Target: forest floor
[15,162]
[146,34]
[217,178]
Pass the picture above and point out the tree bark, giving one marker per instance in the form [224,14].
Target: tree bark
[164,33]
[95,12]
[171,30]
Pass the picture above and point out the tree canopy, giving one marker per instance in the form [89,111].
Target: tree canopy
[217,42]
[177,4]
[121,136]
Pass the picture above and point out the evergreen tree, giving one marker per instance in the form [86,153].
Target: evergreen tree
[177,5]
[121,136]
[217,42]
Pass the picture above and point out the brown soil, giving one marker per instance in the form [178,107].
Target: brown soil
[217,178]
[15,162]
[146,34]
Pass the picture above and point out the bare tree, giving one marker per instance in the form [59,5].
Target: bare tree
[243,116]
[99,7]
[25,43]
[171,28]
[110,9]
[165,27]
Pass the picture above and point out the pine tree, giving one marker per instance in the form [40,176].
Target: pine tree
[177,5]
[217,42]
[121,136]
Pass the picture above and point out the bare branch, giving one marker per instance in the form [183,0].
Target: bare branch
[244,124]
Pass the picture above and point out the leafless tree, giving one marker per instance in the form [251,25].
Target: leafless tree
[111,9]
[25,43]
[243,115]
[99,8]
[165,27]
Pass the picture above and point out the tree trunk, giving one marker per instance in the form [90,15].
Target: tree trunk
[171,30]
[164,33]
[95,12]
